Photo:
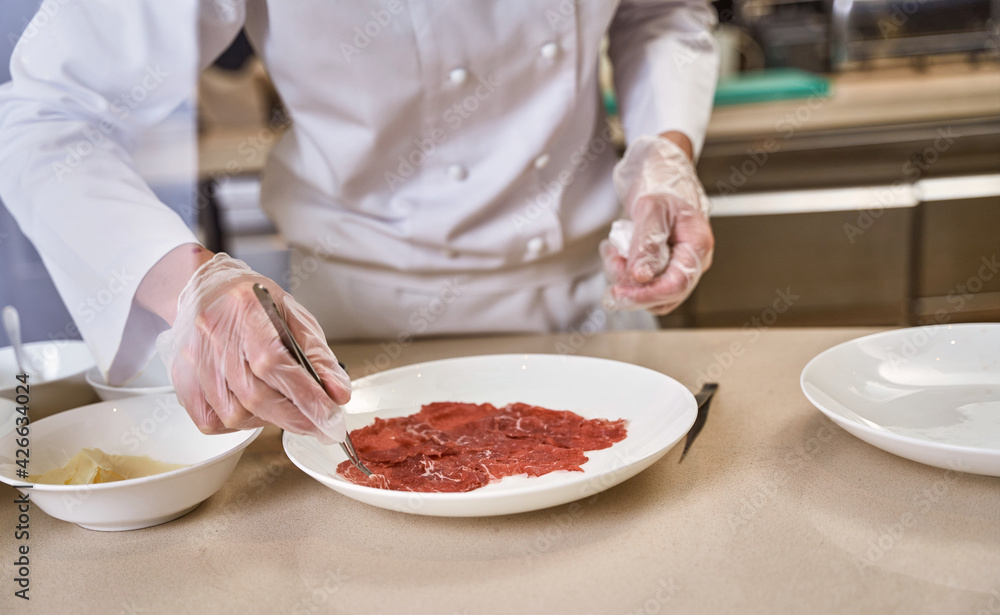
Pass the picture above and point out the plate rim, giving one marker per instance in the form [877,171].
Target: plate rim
[477,495]
[837,417]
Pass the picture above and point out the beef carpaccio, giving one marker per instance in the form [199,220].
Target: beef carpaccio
[452,447]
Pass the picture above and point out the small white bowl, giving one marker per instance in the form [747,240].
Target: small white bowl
[154,425]
[57,379]
[152,381]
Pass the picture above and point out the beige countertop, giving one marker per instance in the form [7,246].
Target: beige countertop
[775,509]
[943,93]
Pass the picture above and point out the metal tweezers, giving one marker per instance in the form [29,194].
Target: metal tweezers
[293,347]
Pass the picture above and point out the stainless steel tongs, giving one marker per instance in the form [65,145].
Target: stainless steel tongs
[293,347]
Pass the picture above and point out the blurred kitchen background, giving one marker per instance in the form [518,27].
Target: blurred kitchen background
[853,160]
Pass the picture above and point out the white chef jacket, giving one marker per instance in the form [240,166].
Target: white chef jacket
[428,138]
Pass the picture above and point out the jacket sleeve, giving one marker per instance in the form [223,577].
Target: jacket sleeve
[87,77]
[665,66]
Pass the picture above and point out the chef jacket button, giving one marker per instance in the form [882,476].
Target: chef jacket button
[458,75]
[535,246]
[549,50]
[542,161]
[457,172]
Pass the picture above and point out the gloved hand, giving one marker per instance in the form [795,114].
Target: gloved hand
[654,259]
[229,367]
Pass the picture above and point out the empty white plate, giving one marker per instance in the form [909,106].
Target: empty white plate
[8,416]
[930,394]
[57,380]
[659,411]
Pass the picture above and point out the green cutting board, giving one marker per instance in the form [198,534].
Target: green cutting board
[771,84]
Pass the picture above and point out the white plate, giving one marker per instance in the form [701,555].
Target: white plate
[57,382]
[8,416]
[930,394]
[659,411]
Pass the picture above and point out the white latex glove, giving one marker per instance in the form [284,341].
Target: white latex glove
[654,259]
[229,367]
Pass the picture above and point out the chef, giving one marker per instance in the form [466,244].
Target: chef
[448,170]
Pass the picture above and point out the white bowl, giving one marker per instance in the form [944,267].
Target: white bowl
[930,394]
[152,381]
[659,411]
[57,379]
[154,425]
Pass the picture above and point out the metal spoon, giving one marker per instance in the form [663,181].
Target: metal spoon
[12,324]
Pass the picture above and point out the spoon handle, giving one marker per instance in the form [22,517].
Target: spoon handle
[12,324]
